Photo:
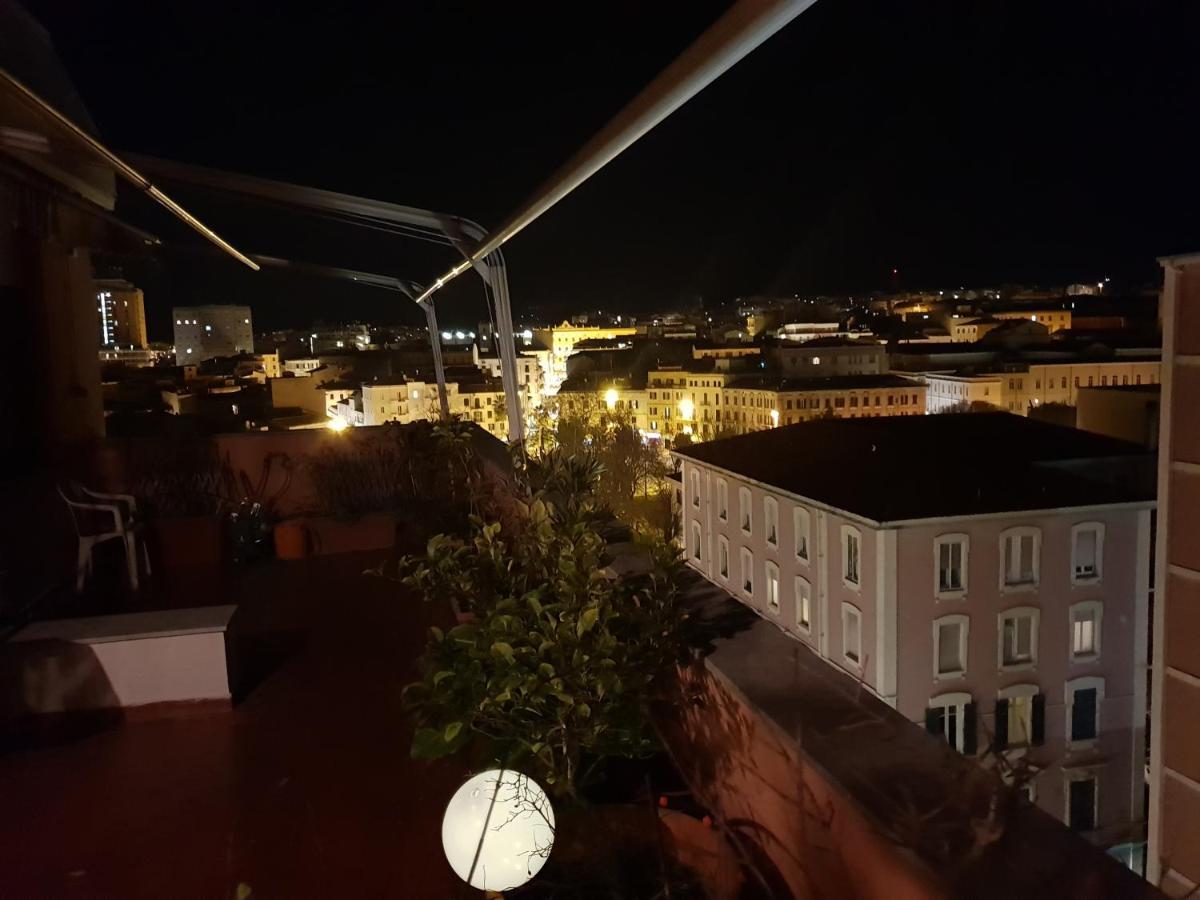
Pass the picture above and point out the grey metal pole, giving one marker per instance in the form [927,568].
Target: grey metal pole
[435,344]
[743,28]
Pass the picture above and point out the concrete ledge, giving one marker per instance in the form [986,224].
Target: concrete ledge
[149,660]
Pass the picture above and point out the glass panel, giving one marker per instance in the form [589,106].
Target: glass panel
[1020,720]
[1085,554]
[949,655]
[852,636]
[1083,715]
[1084,633]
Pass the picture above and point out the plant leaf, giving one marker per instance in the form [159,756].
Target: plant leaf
[587,621]
[501,648]
[452,731]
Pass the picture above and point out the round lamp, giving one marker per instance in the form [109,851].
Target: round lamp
[498,830]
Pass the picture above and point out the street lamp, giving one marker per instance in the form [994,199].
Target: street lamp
[498,830]
[610,398]
[774,418]
[686,409]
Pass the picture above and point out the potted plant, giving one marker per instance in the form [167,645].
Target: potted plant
[180,488]
[252,522]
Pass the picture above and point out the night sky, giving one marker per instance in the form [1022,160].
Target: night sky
[963,141]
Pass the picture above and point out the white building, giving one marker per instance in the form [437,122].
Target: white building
[205,332]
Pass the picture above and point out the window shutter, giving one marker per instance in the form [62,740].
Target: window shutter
[968,727]
[934,720]
[1001,724]
[1039,720]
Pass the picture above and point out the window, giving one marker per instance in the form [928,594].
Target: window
[1020,549]
[696,537]
[1020,716]
[771,520]
[747,572]
[1083,696]
[723,557]
[800,529]
[772,587]
[696,488]
[1085,630]
[1018,637]
[803,604]
[1082,796]
[744,508]
[950,560]
[952,716]
[1087,552]
[722,500]
[851,541]
[852,634]
[950,646]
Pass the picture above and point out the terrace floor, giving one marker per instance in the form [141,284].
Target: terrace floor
[304,789]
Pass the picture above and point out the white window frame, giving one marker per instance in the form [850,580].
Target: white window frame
[1018,611]
[801,528]
[802,590]
[938,542]
[1076,530]
[771,573]
[959,700]
[1014,692]
[745,511]
[964,627]
[746,558]
[1088,774]
[723,553]
[695,483]
[1019,532]
[697,549]
[1069,689]
[849,610]
[722,500]
[849,531]
[1096,608]
[771,521]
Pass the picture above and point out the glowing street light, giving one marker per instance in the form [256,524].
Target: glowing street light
[610,398]
[686,409]
[774,418]
[498,830]
[338,424]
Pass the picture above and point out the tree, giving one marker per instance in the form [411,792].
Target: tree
[559,667]
[971,406]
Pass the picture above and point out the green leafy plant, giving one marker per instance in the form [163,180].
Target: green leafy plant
[560,666]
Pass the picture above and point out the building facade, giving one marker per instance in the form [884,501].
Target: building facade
[1053,319]
[121,309]
[1173,852]
[561,340]
[822,357]
[204,332]
[1008,625]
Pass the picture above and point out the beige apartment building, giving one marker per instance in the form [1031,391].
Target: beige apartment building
[1053,319]
[1173,852]
[968,570]
[121,310]
[561,340]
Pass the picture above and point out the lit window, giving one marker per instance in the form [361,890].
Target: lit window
[800,527]
[771,520]
[852,634]
[950,646]
[744,511]
[851,542]
[1018,637]
[1020,716]
[1085,630]
[1020,549]
[1087,552]
[803,604]
[952,716]
[189,349]
[208,328]
[772,572]
[747,572]
[950,558]
[722,500]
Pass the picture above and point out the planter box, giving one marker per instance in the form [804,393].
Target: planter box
[188,542]
[327,535]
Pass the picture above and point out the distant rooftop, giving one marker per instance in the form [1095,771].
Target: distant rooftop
[916,467]
[826,383]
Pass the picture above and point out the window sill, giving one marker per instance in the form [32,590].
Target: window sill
[1090,581]
[802,559]
[852,585]
[1018,667]
[773,610]
[852,663]
[950,595]
[949,676]
[1082,746]
[1085,659]
[1025,587]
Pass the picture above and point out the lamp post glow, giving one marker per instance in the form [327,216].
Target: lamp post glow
[610,397]
[686,409]
[337,424]
[774,418]
[498,830]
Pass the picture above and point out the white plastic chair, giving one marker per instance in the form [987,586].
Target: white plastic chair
[88,511]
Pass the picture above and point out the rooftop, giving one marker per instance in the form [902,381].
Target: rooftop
[916,467]
[827,383]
